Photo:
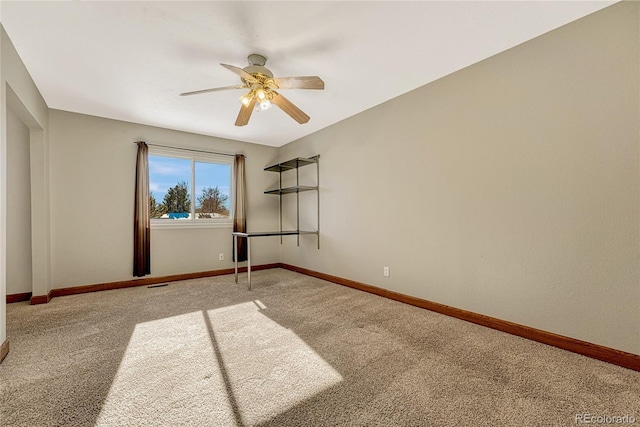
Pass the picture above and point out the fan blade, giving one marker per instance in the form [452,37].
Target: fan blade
[285,105]
[215,89]
[302,82]
[245,113]
[242,73]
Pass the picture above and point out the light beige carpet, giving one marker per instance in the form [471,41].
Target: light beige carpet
[295,351]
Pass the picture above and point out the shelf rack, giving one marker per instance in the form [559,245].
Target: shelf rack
[296,164]
[293,164]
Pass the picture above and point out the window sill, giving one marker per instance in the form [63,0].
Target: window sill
[172,224]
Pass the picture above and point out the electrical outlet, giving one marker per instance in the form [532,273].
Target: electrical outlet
[386,271]
[220,256]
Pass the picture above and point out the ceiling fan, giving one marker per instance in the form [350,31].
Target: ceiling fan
[262,89]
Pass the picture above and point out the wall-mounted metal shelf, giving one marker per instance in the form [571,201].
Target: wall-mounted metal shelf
[289,190]
[295,164]
[292,164]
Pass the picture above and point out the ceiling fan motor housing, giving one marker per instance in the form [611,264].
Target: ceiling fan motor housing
[256,65]
[258,69]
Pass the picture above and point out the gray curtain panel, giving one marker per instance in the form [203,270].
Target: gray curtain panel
[141,221]
[240,205]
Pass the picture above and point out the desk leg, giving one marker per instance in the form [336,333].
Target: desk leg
[249,261]
[235,254]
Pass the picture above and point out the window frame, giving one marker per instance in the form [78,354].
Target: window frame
[195,156]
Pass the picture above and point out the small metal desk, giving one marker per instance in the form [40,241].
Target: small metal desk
[248,236]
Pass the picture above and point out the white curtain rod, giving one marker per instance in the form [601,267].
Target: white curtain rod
[189,149]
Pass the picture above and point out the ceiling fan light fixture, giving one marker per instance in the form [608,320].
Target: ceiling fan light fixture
[263,105]
[245,99]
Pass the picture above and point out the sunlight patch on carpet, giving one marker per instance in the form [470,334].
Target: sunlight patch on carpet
[169,375]
[229,366]
[270,368]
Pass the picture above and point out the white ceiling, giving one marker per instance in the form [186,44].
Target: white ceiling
[130,60]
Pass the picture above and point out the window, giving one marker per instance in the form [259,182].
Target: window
[189,188]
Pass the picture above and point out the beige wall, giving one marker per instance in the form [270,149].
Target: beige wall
[18,206]
[20,94]
[3,194]
[509,188]
[92,194]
